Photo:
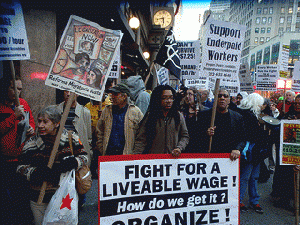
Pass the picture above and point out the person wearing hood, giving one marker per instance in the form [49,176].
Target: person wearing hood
[240,96]
[138,93]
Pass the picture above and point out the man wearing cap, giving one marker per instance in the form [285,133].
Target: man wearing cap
[118,123]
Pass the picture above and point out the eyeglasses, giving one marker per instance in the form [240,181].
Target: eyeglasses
[223,95]
[167,98]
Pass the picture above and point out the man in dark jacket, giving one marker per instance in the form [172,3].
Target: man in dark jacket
[228,132]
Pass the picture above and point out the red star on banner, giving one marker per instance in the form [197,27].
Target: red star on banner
[66,202]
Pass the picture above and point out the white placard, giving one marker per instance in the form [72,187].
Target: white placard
[13,37]
[266,77]
[222,48]
[245,79]
[296,77]
[163,76]
[115,69]
[189,55]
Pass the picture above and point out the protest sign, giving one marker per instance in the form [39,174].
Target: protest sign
[296,77]
[221,55]
[266,77]
[290,142]
[159,189]
[13,37]
[115,69]
[84,58]
[198,83]
[189,55]
[245,79]
[163,76]
[284,60]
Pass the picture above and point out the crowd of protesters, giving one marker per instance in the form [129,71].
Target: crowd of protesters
[129,120]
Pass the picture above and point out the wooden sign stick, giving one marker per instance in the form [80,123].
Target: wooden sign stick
[214,109]
[56,143]
[13,75]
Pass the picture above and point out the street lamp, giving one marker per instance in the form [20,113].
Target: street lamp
[134,22]
[146,55]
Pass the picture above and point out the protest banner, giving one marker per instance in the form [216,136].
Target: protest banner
[189,55]
[13,38]
[161,189]
[84,58]
[296,77]
[266,77]
[221,55]
[163,76]
[115,69]
[290,142]
[245,79]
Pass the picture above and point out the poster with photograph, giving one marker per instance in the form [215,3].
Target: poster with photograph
[84,58]
[290,142]
[161,189]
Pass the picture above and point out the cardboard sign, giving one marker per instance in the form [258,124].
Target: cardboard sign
[266,77]
[84,58]
[189,55]
[150,189]
[163,76]
[13,37]
[221,55]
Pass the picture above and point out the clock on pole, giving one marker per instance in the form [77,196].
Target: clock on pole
[163,17]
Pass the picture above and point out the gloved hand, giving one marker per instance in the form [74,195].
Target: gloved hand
[44,173]
[67,164]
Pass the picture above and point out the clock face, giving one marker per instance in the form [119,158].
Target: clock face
[162,18]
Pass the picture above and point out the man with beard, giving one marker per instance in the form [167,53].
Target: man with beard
[82,61]
[228,132]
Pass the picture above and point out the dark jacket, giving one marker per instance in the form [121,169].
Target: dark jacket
[222,142]
[167,138]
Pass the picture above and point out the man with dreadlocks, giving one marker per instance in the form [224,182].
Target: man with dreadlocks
[163,129]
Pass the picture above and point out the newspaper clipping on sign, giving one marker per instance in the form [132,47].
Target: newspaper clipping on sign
[13,36]
[222,47]
[189,55]
[158,189]
[84,58]
[290,142]
[266,77]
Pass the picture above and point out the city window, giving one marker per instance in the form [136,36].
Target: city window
[280,30]
[282,10]
[258,20]
[264,20]
[288,29]
[269,30]
[281,20]
[270,20]
[267,39]
[262,30]
[258,10]
[255,40]
[289,19]
[271,10]
[262,40]
[290,9]
[256,30]
[298,8]
[265,11]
